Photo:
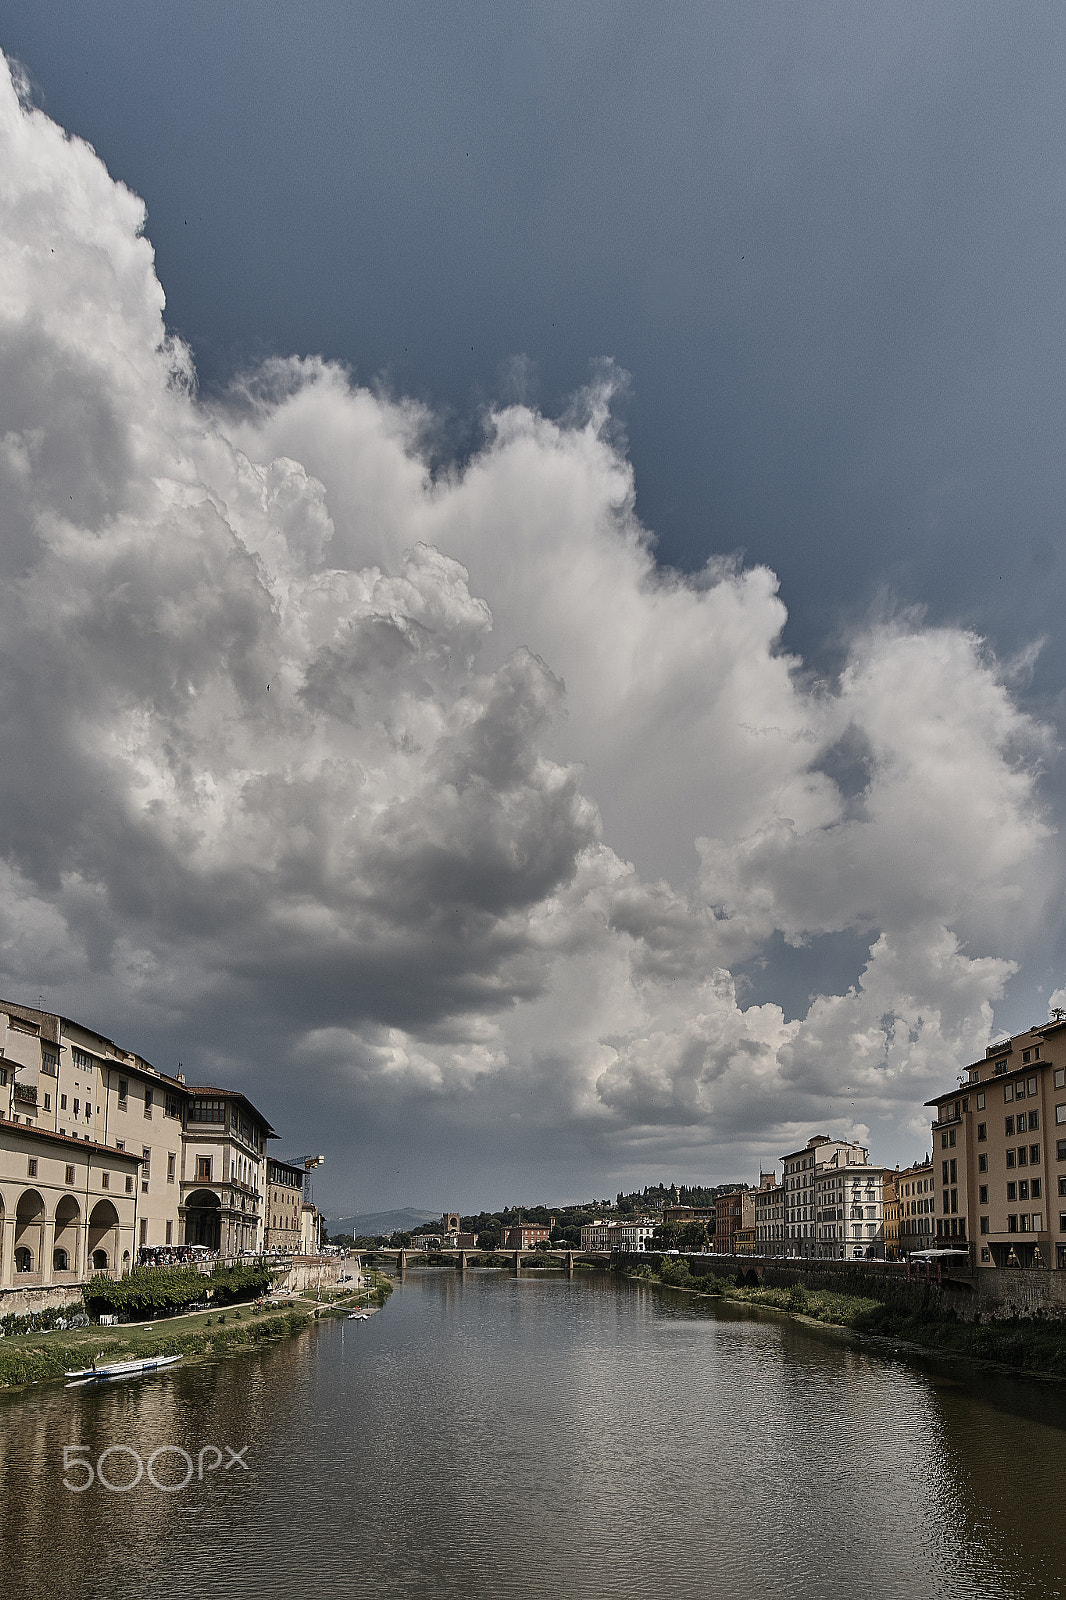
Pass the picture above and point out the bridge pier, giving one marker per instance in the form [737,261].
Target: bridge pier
[462,1261]
[518,1260]
[570,1263]
[401,1260]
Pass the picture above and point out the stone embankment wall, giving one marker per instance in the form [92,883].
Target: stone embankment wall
[996,1293]
[24,1301]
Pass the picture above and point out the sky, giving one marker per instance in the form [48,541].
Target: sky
[529,622]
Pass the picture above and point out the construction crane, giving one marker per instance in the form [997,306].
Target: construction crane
[309,1163]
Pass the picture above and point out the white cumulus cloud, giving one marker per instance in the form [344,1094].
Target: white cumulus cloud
[433,782]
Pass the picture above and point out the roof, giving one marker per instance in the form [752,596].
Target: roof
[28,1131]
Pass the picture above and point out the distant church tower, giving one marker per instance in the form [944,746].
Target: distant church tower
[450,1222]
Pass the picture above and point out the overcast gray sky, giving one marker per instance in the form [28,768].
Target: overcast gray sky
[627,442]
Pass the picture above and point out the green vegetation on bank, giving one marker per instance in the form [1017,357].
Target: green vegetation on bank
[35,1359]
[1037,1346]
[147,1291]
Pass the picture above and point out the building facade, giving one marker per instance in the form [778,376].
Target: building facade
[916,1202]
[999,1153]
[68,1207]
[223,1181]
[282,1233]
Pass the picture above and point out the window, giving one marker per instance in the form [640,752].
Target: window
[62,1102]
[170,1167]
[1060,1077]
[982,1132]
[70,1174]
[1062,1187]
[1060,1150]
[981,1101]
[1034,1121]
[1008,1127]
[954,1199]
[77,1108]
[1027,1056]
[954,1172]
[32,1166]
[984,1224]
[1023,1156]
[129,1184]
[951,1137]
[215,1111]
[170,1233]
[1023,1222]
[1010,1158]
[171,1106]
[48,1102]
[1030,1084]
[144,1230]
[105,1180]
[982,1195]
[123,1093]
[1012,1223]
[1023,1189]
[50,1063]
[1019,1091]
[982,1162]
[83,1062]
[947,1202]
[943,1141]
[1008,1091]
[149,1099]
[88,1110]
[120,1144]
[1034,1188]
[1038,1221]
[1034,1155]
[1060,1113]
[203,1168]
[945,1167]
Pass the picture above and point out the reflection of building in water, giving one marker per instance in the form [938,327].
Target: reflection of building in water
[999,1153]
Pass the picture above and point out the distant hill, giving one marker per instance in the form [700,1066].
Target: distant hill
[370,1223]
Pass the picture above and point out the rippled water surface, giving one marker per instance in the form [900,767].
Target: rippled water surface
[489,1436]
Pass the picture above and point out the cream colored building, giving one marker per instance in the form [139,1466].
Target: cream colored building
[68,1079]
[821,1198]
[68,1207]
[223,1181]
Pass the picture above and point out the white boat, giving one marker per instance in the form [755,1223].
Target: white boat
[120,1369]
[359,1316]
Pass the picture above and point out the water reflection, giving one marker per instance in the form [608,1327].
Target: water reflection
[490,1436]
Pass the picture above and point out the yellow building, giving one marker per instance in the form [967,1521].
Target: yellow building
[223,1179]
[68,1207]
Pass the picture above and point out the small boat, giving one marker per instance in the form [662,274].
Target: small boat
[359,1316]
[120,1369]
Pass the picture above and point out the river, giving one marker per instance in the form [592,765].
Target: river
[489,1437]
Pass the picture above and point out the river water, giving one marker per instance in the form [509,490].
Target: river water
[490,1437]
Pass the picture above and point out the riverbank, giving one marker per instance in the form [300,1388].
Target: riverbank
[1035,1348]
[34,1358]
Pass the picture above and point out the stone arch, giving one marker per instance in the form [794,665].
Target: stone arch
[67,1228]
[203,1219]
[102,1244]
[29,1232]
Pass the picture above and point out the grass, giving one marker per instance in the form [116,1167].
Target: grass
[31,1358]
[1036,1346]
